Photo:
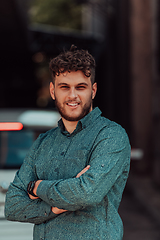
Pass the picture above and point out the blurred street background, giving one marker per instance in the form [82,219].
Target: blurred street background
[124,38]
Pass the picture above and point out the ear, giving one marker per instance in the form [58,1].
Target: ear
[94,90]
[51,87]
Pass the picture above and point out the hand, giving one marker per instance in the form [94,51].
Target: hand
[35,190]
[32,197]
[36,186]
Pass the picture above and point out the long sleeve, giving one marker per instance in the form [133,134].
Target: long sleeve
[109,161]
[92,200]
[18,206]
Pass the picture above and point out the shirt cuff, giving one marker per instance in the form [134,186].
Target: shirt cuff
[42,190]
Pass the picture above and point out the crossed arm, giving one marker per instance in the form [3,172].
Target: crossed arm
[110,160]
[55,209]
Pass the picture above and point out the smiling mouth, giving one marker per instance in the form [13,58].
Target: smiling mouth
[73,104]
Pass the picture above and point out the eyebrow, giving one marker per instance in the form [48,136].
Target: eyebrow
[59,84]
[83,83]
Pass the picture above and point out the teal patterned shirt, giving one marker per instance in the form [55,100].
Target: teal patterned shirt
[92,200]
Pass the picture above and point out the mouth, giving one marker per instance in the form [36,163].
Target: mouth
[73,105]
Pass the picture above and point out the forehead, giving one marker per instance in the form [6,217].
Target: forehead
[71,78]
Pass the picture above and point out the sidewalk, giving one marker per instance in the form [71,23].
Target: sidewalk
[147,194]
[140,209]
[15,230]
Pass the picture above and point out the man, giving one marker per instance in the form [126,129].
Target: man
[71,182]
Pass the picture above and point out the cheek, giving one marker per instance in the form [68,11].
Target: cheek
[60,97]
[88,96]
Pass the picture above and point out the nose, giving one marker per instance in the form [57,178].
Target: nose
[72,93]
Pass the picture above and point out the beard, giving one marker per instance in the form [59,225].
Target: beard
[85,110]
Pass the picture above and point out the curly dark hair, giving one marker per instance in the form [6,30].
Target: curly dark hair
[73,60]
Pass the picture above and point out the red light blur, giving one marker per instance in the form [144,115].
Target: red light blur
[10,126]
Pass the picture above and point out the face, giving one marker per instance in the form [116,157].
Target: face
[73,94]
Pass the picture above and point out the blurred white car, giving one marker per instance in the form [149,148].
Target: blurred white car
[18,130]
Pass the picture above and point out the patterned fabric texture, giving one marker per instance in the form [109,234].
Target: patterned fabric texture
[92,200]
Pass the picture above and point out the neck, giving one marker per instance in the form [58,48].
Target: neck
[70,126]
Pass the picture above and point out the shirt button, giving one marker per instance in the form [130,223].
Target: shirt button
[45,213]
[102,165]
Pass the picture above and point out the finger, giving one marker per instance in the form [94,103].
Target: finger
[83,171]
[57,210]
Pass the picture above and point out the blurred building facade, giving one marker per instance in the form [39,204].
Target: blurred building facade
[132,83]
[156,88]
[145,79]
[124,37]
[17,80]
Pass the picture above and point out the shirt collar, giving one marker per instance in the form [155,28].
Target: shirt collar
[90,117]
[83,123]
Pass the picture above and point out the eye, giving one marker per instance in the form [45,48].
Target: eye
[64,87]
[81,87]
